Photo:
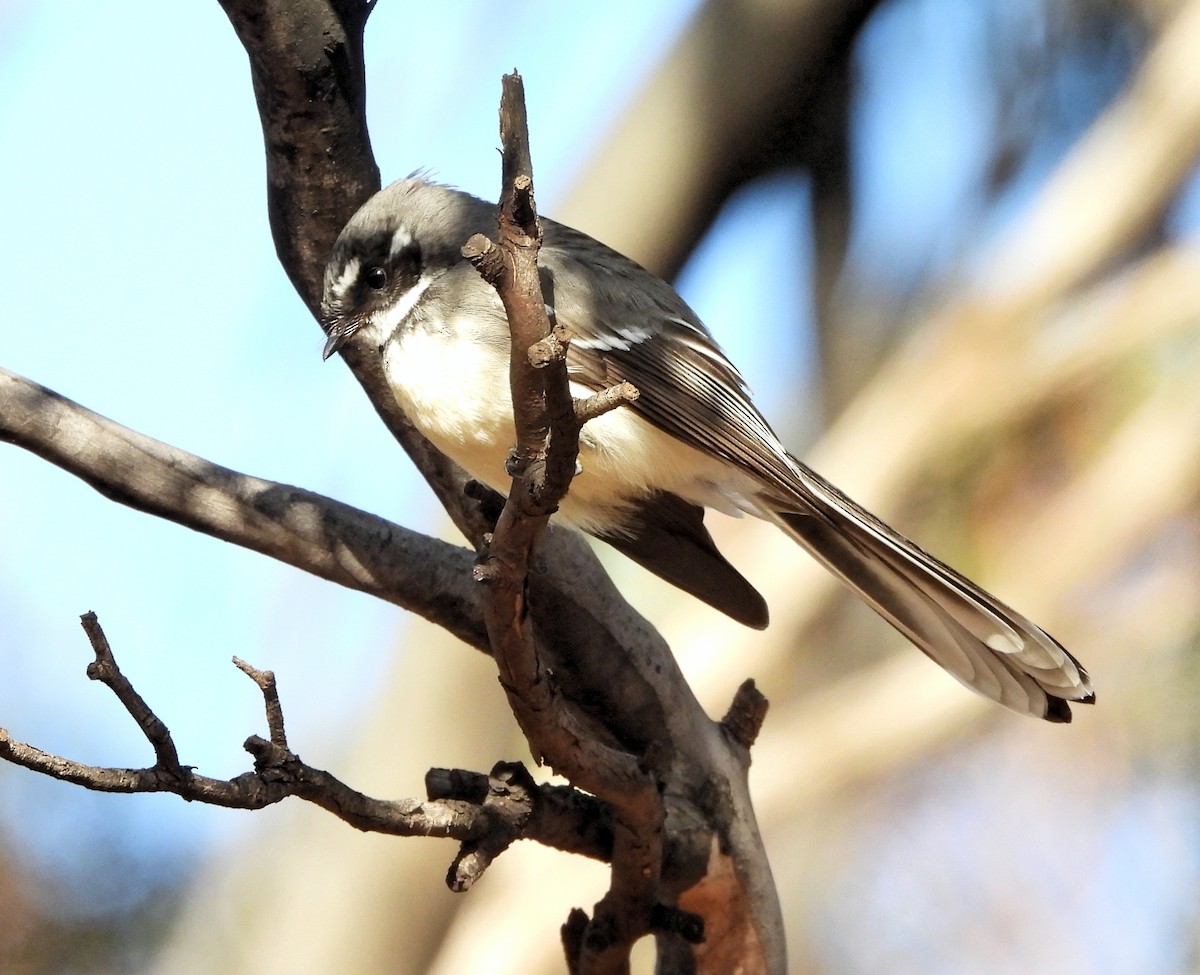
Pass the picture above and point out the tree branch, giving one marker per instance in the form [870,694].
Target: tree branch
[483,812]
[310,531]
[306,63]
[545,461]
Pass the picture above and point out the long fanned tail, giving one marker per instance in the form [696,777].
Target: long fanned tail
[987,646]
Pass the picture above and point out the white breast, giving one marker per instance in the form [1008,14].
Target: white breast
[457,394]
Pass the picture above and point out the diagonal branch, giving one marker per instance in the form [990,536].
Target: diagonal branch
[104,669]
[310,531]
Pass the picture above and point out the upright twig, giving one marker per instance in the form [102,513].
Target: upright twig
[543,464]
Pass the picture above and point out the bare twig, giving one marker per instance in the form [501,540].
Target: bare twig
[265,679]
[547,448]
[746,713]
[511,793]
[605,401]
[512,806]
[104,669]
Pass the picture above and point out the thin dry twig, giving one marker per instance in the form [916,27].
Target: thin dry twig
[104,669]
[747,711]
[545,460]
[509,807]
[265,679]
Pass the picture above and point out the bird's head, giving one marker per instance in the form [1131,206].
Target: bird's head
[389,253]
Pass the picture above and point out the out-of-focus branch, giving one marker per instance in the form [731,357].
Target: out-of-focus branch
[1086,219]
[1039,327]
[736,87]
[1147,476]
[1116,184]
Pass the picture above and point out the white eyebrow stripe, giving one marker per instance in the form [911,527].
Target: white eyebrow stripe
[348,276]
[400,240]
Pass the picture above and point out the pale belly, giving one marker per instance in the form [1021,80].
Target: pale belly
[461,402]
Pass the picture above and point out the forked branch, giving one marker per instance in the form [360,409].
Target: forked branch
[486,813]
[545,461]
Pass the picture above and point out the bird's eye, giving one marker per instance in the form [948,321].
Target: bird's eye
[376,278]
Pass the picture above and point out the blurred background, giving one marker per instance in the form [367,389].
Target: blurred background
[952,245]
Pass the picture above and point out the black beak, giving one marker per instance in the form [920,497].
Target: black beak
[337,337]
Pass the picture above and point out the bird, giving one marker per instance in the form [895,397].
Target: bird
[396,285]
